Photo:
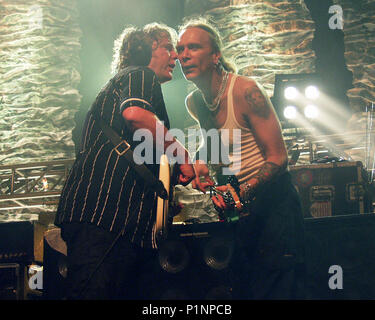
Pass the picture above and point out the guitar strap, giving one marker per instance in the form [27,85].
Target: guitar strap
[122,148]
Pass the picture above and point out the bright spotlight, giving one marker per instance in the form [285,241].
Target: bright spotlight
[290,93]
[311,111]
[312,92]
[290,112]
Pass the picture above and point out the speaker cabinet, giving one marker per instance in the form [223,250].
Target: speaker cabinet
[16,252]
[194,263]
[340,257]
[16,242]
[11,281]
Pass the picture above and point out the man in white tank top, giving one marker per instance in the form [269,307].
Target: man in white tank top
[224,100]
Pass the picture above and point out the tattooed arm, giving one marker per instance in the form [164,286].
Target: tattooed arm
[260,115]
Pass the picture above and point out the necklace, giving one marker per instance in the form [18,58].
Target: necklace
[216,102]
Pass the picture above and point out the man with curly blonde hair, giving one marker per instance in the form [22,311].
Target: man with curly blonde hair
[107,213]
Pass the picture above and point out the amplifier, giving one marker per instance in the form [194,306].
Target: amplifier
[194,262]
[332,189]
[17,242]
[11,281]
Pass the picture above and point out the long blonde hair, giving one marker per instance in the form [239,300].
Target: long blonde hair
[216,42]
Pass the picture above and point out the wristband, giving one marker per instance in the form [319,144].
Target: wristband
[248,190]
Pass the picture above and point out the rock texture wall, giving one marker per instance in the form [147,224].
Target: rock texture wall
[40,73]
[359,55]
[263,38]
[359,30]
[269,37]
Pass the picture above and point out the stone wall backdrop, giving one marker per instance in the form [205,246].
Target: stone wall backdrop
[346,58]
[359,30]
[263,38]
[40,73]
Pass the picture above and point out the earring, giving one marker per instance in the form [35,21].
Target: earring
[218,65]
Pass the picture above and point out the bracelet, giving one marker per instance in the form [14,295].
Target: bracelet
[248,190]
[245,187]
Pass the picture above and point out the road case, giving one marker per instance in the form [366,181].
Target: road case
[329,189]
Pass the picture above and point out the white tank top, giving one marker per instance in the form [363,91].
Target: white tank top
[244,152]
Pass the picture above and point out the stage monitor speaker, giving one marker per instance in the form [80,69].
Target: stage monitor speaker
[340,257]
[193,263]
[16,242]
[54,265]
[11,281]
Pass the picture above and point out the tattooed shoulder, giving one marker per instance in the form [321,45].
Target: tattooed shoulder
[257,101]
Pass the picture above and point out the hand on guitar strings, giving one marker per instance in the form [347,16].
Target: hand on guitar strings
[218,194]
[186,174]
[226,197]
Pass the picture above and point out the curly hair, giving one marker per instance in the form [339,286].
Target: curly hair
[158,31]
[132,48]
[216,43]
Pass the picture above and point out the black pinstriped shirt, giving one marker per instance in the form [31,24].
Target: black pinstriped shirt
[101,188]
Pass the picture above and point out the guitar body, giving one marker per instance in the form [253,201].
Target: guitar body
[163,205]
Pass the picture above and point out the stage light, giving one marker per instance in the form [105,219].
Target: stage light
[311,111]
[290,93]
[290,112]
[312,92]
